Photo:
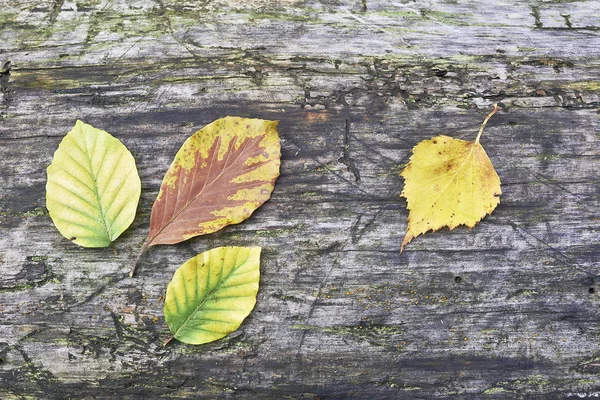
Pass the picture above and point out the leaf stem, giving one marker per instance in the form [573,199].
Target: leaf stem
[166,342]
[137,259]
[485,122]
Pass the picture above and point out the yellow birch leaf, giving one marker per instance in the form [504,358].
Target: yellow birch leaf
[448,182]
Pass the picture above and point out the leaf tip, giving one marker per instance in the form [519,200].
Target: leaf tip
[79,124]
[407,238]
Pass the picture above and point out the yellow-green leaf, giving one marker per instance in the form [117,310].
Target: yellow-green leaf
[211,294]
[448,182]
[93,187]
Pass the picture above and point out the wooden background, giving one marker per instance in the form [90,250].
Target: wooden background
[507,310]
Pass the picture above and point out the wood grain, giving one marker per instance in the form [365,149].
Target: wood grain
[506,310]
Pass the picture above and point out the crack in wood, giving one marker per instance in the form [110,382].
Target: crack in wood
[345,159]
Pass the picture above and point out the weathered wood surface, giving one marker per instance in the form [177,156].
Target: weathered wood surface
[506,310]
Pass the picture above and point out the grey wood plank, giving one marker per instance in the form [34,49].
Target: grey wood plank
[506,310]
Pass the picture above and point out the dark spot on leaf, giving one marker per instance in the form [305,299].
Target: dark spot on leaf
[440,153]
[73,238]
[435,142]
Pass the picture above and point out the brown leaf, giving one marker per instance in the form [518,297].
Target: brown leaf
[220,175]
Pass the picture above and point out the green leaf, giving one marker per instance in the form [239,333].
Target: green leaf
[211,294]
[93,187]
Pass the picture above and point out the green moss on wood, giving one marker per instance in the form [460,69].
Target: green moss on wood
[495,390]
